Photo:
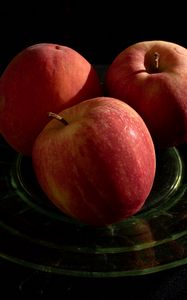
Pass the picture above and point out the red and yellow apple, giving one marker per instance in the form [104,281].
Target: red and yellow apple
[41,78]
[151,76]
[96,161]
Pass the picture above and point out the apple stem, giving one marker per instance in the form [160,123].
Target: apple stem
[156,60]
[58,117]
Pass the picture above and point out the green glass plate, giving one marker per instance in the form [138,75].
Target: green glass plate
[36,234]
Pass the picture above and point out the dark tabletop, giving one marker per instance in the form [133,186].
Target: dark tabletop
[166,285]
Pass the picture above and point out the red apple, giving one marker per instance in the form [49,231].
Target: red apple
[151,76]
[96,162]
[41,78]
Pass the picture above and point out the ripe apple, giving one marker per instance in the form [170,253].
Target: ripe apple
[96,161]
[41,78]
[151,76]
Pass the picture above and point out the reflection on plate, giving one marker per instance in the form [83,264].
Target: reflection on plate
[36,234]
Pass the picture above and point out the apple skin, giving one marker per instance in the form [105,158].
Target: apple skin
[157,93]
[41,78]
[100,168]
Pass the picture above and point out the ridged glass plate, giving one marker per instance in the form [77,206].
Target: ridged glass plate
[36,234]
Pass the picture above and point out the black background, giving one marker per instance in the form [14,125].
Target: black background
[98,30]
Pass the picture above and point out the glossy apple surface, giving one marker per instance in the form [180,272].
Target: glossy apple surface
[41,78]
[98,167]
[151,76]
